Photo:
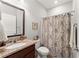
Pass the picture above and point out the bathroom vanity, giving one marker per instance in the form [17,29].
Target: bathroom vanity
[23,49]
[28,52]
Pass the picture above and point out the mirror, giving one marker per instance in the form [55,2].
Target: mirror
[13,19]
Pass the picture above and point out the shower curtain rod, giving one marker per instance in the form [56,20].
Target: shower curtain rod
[70,12]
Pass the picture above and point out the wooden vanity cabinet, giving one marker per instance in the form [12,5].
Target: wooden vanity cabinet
[28,52]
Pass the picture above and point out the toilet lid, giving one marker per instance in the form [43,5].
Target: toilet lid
[43,49]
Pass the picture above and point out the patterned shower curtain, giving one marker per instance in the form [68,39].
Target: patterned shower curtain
[56,34]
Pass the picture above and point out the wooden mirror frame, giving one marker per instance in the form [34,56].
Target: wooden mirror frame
[23,18]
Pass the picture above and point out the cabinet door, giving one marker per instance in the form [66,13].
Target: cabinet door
[31,52]
[30,55]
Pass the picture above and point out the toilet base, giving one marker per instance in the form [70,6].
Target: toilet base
[44,56]
[39,56]
[42,52]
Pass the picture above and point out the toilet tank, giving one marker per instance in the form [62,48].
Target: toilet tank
[37,45]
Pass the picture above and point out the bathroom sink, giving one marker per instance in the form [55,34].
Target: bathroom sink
[16,45]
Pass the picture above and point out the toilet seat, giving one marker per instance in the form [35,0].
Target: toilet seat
[43,50]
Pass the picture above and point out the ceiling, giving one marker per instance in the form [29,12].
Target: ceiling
[52,3]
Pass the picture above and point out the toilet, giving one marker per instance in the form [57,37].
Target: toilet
[42,51]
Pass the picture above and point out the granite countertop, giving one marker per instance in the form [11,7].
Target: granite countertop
[8,52]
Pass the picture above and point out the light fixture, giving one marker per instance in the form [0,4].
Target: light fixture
[18,0]
[56,2]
